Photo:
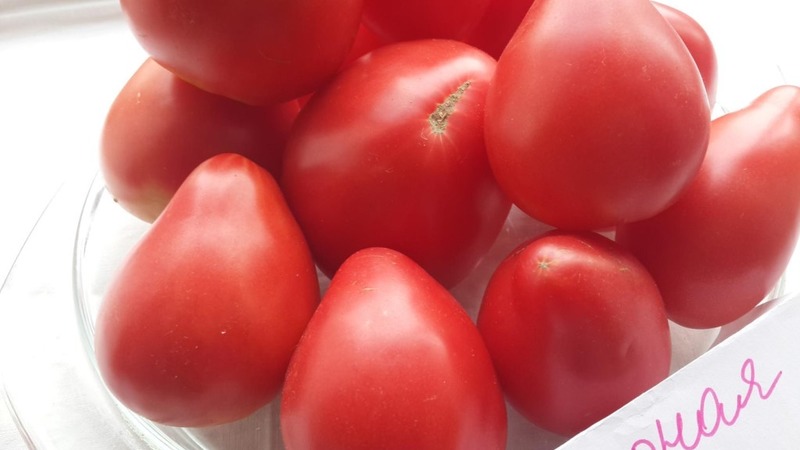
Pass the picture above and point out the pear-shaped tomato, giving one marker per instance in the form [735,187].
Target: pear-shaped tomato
[198,326]
[721,248]
[390,360]
[597,114]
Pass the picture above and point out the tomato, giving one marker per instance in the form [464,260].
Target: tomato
[498,24]
[422,19]
[365,42]
[198,325]
[391,154]
[159,128]
[576,328]
[591,123]
[722,247]
[698,43]
[390,360]
[254,51]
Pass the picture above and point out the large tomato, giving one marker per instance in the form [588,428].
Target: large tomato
[198,325]
[159,128]
[255,51]
[390,360]
[597,114]
[722,247]
[698,43]
[576,329]
[391,154]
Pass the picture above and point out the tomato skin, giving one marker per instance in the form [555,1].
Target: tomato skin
[365,42]
[365,167]
[698,43]
[576,328]
[591,123]
[422,19]
[254,51]
[390,360]
[498,24]
[159,128]
[198,325]
[721,248]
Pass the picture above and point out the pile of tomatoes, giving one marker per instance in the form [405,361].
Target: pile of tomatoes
[380,147]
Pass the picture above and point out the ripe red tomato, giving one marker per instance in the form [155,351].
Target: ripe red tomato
[254,51]
[721,248]
[698,43]
[423,19]
[591,123]
[159,129]
[391,154]
[198,326]
[365,42]
[390,360]
[576,328]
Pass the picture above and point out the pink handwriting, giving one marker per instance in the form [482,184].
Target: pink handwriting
[711,415]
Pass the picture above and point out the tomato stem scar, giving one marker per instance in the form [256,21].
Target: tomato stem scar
[438,118]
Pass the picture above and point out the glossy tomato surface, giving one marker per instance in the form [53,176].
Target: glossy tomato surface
[198,325]
[722,247]
[597,114]
[390,360]
[391,153]
[576,329]
[159,128]
[698,43]
[254,51]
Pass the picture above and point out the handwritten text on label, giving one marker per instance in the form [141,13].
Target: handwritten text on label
[711,415]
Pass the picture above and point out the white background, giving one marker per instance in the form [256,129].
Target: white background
[58,75]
